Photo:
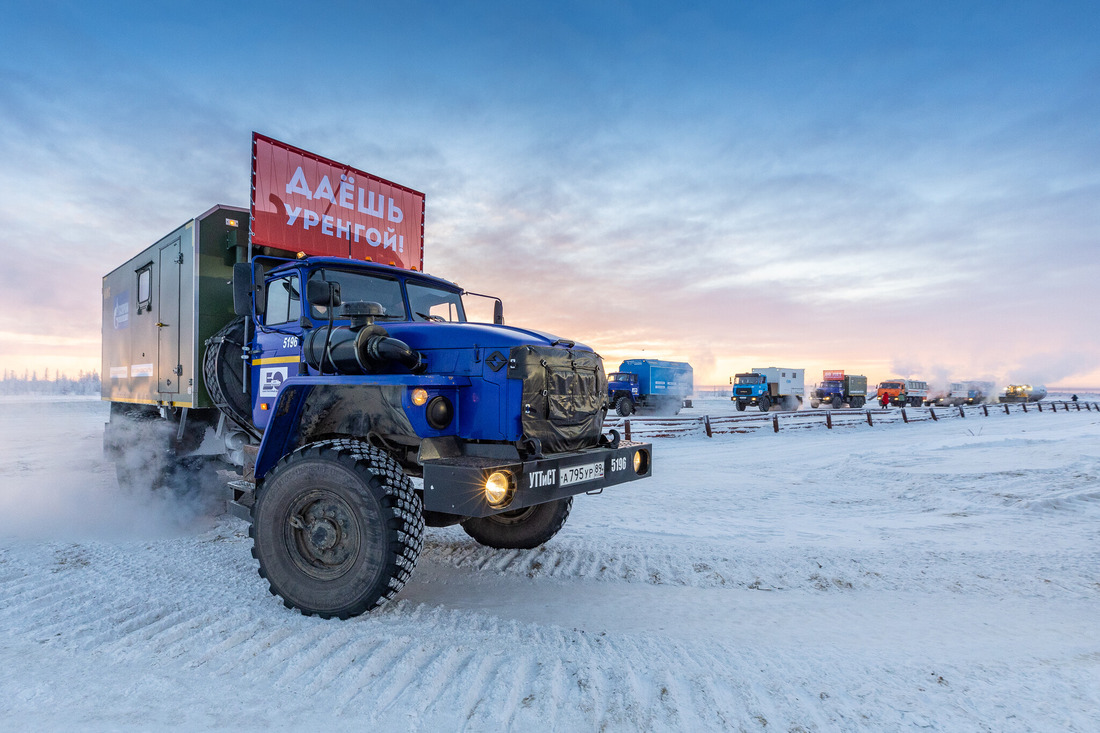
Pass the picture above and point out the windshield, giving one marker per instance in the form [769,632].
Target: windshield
[622,377]
[357,286]
[749,379]
[434,304]
[892,385]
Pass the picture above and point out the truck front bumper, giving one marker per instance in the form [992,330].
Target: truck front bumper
[458,485]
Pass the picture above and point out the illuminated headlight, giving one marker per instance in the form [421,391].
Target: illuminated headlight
[439,412]
[499,489]
[419,396]
[641,462]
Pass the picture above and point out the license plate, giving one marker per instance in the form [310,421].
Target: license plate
[580,474]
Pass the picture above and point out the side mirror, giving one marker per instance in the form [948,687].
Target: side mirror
[320,292]
[498,313]
[242,289]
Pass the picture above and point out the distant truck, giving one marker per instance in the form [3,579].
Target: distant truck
[1024,393]
[978,392]
[903,392]
[650,384]
[769,386]
[838,388]
[962,393]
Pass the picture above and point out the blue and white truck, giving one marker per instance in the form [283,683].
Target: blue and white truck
[327,383]
[768,387]
[651,385]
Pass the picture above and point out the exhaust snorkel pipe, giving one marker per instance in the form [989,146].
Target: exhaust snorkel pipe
[362,347]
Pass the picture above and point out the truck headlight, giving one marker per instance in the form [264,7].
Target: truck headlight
[419,396]
[439,412]
[499,489]
[641,462]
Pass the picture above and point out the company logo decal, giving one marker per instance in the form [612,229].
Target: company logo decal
[496,361]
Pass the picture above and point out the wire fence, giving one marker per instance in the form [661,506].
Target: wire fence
[635,427]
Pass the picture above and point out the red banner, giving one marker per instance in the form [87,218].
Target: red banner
[832,375]
[302,202]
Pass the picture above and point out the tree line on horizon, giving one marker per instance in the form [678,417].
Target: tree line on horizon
[30,383]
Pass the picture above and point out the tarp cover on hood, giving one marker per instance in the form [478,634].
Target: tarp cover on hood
[564,396]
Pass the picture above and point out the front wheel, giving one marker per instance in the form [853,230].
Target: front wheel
[337,528]
[740,406]
[522,529]
[624,406]
[765,404]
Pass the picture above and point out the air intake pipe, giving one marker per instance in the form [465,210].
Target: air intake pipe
[361,347]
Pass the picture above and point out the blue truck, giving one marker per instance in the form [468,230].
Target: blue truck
[651,385]
[323,386]
[837,388]
[768,387]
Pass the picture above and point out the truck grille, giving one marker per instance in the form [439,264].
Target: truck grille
[743,391]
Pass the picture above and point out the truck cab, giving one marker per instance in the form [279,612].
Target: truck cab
[623,392]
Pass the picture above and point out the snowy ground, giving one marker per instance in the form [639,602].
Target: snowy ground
[936,576]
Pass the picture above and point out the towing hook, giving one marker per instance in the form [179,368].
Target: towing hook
[611,440]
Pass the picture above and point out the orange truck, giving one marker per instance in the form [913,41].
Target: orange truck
[903,392]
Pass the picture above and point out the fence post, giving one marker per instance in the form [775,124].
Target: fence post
[869,422]
[962,412]
[775,422]
[626,428]
[1078,406]
[933,411]
[1039,405]
[985,409]
[1054,407]
[904,416]
[829,419]
[1025,407]
[1006,408]
[706,424]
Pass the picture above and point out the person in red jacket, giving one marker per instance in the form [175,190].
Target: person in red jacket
[885,399]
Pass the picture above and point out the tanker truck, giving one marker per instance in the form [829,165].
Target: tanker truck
[315,361]
[650,385]
[1023,393]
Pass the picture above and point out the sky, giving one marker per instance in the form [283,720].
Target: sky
[892,189]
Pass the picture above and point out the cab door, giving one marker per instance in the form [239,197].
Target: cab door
[278,341]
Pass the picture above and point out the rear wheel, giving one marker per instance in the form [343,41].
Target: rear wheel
[337,528]
[624,406]
[523,529]
[765,404]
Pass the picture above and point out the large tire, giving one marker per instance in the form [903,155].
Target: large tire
[523,529]
[765,404]
[337,528]
[624,406]
[740,406]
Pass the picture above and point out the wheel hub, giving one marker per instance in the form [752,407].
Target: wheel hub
[322,534]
